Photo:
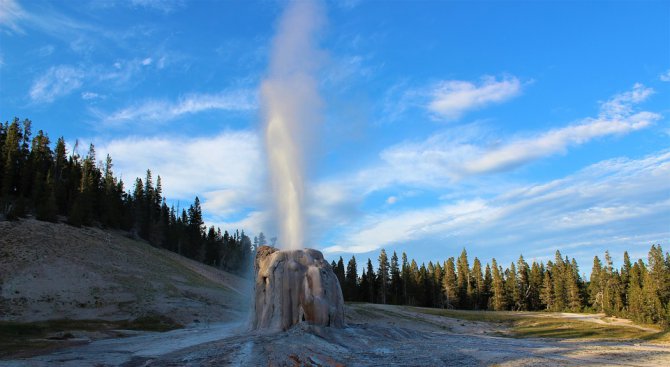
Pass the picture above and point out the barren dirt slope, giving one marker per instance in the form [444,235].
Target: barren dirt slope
[54,271]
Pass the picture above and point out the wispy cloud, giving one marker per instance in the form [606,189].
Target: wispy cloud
[616,117]
[462,159]
[166,6]
[90,95]
[665,76]
[11,15]
[452,98]
[613,200]
[58,81]
[225,170]
[164,110]
[464,152]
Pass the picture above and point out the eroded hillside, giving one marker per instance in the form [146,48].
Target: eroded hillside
[56,271]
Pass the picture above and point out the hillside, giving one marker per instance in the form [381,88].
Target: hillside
[56,271]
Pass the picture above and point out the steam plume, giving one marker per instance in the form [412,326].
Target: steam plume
[291,106]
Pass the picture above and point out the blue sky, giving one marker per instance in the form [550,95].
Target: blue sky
[502,127]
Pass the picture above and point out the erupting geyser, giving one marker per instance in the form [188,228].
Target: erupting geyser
[294,286]
[291,103]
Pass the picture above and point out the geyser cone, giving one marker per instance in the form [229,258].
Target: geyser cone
[294,286]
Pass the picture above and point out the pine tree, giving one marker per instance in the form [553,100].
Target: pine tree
[523,282]
[396,286]
[611,288]
[558,276]
[634,295]
[595,285]
[488,284]
[340,272]
[351,280]
[478,280]
[383,276]
[534,287]
[625,277]
[512,292]
[573,287]
[11,156]
[449,284]
[498,301]
[463,280]
[547,292]
[371,283]
[405,278]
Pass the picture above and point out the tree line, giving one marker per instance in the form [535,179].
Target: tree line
[56,185]
[639,290]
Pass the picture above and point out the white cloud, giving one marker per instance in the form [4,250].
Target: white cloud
[166,6]
[452,98]
[11,15]
[90,95]
[391,200]
[610,201]
[226,171]
[45,51]
[163,111]
[464,151]
[58,81]
[621,105]
[188,166]
[665,76]
[147,61]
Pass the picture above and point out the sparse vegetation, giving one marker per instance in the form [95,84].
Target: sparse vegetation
[547,325]
[32,337]
[639,291]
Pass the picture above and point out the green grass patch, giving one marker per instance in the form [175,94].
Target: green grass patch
[151,323]
[546,327]
[19,339]
[498,317]
[539,325]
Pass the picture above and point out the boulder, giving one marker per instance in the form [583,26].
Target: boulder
[293,286]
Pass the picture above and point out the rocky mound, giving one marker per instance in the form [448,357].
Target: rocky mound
[294,286]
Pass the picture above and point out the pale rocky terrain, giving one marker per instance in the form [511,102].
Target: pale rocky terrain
[55,271]
[375,335]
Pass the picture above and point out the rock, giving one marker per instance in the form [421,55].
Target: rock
[294,286]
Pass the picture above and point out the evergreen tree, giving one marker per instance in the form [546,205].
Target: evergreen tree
[625,277]
[463,280]
[558,276]
[383,275]
[595,285]
[449,284]
[523,276]
[478,280]
[534,287]
[488,284]
[498,301]
[396,286]
[405,278]
[513,294]
[371,283]
[340,272]
[547,292]
[573,287]
[351,280]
